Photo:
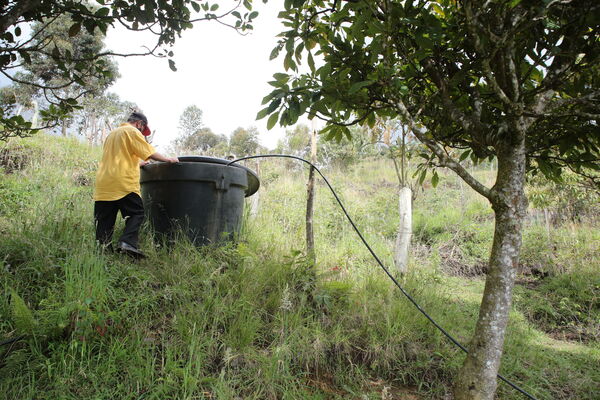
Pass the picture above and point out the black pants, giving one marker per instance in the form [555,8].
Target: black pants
[105,214]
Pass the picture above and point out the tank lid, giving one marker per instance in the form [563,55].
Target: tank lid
[253,181]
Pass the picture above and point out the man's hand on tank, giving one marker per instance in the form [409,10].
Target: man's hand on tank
[173,160]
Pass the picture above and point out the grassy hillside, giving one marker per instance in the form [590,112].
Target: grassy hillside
[254,320]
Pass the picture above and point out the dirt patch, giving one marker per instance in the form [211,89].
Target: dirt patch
[532,270]
[569,335]
[454,262]
[385,390]
[528,282]
[13,159]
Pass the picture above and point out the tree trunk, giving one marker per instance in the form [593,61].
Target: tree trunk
[404,235]
[34,117]
[547,222]
[93,129]
[255,198]
[104,133]
[477,376]
[310,200]
[64,128]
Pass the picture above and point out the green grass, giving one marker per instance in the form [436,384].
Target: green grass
[254,320]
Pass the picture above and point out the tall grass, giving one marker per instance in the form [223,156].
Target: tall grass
[253,319]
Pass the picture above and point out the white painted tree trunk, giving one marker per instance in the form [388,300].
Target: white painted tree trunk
[402,247]
[255,198]
[34,118]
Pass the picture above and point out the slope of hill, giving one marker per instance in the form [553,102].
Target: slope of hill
[254,320]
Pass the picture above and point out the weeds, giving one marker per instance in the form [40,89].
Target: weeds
[254,320]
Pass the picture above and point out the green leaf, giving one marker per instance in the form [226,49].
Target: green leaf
[423,42]
[435,179]
[103,27]
[172,65]
[464,155]
[74,29]
[102,12]
[253,15]
[273,106]
[268,110]
[196,7]
[272,121]
[359,85]
[55,53]
[262,113]
[474,159]
[422,176]
[21,314]
[267,98]
[438,10]
[274,53]
[281,77]
[214,7]
[514,3]
[288,63]
[311,62]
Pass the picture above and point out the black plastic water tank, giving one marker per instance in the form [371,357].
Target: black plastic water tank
[201,196]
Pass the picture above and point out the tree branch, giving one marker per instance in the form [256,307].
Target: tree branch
[472,23]
[445,161]
[15,13]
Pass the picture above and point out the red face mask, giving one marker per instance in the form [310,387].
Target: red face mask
[146,131]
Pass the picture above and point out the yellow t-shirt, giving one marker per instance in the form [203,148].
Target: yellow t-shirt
[119,171]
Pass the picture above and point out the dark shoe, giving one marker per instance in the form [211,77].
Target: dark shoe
[129,250]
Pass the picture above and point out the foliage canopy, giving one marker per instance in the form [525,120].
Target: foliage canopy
[166,20]
[465,73]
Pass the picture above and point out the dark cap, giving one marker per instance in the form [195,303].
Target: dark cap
[138,116]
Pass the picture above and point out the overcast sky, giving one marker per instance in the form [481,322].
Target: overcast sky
[218,70]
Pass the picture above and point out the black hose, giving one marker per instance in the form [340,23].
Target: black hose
[11,340]
[404,292]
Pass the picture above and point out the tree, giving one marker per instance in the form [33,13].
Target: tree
[244,142]
[190,121]
[203,141]
[310,200]
[342,152]
[42,72]
[395,136]
[166,20]
[193,135]
[296,141]
[516,80]
[101,114]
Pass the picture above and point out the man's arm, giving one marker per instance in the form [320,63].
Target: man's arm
[160,157]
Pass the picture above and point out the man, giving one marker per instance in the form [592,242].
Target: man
[118,183]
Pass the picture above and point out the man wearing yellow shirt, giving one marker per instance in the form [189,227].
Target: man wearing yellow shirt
[118,183]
